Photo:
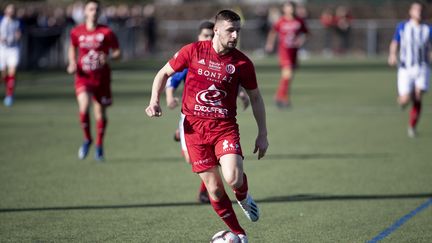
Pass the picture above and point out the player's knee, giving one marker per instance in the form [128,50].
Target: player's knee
[403,100]
[235,180]
[216,191]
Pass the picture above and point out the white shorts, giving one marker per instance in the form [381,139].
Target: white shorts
[416,77]
[9,57]
[182,137]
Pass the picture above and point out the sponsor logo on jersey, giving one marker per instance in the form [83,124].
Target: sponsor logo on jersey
[91,41]
[230,68]
[202,62]
[211,96]
[215,65]
[216,77]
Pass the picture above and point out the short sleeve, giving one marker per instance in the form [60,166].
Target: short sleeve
[73,38]
[112,40]
[248,76]
[181,59]
[276,26]
[303,27]
[399,29]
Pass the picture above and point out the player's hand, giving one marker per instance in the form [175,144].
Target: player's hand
[103,59]
[392,60]
[244,99]
[269,48]
[154,110]
[261,145]
[172,102]
[71,68]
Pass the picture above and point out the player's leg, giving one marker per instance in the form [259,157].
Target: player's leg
[404,86]
[232,170]
[220,200]
[421,85]
[287,61]
[83,99]
[100,113]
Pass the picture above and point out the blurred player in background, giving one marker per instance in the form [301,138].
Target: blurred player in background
[92,73]
[10,35]
[292,32]
[173,82]
[413,38]
[216,71]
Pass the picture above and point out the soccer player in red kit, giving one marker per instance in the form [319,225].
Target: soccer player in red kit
[292,33]
[92,73]
[216,70]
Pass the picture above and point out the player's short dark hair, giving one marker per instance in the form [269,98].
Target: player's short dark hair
[92,1]
[227,15]
[206,25]
[292,3]
[421,3]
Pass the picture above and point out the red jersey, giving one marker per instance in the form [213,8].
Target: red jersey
[289,30]
[91,44]
[213,80]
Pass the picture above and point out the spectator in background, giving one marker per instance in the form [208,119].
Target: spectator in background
[10,35]
[342,22]
[326,20]
[150,27]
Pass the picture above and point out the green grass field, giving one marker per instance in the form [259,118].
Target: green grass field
[340,167]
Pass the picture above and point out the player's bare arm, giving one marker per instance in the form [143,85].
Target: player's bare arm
[154,109]
[72,65]
[271,39]
[257,103]
[392,59]
[242,95]
[301,39]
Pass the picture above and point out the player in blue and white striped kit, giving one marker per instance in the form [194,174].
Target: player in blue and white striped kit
[413,38]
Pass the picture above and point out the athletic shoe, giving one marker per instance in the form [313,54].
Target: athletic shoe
[412,133]
[99,154]
[84,149]
[249,208]
[243,238]
[8,101]
[203,197]
[282,104]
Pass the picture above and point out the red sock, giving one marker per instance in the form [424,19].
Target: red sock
[10,85]
[241,192]
[101,126]
[85,125]
[224,209]
[283,89]
[202,188]
[415,113]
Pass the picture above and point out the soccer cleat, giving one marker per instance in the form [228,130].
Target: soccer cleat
[99,154]
[412,133]
[249,208]
[203,197]
[243,238]
[8,101]
[84,149]
[282,104]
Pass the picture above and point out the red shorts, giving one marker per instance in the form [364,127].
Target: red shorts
[101,90]
[207,140]
[288,57]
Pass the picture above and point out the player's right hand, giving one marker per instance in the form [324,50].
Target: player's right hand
[154,110]
[71,68]
[392,60]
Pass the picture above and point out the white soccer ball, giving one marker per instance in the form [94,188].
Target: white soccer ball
[225,236]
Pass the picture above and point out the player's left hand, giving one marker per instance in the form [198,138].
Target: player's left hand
[244,99]
[261,145]
[154,110]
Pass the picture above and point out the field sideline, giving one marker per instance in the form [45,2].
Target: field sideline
[340,167]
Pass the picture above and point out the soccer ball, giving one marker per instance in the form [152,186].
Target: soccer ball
[225,236]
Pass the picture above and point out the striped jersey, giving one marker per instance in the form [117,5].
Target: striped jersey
[8,29]
[414,40]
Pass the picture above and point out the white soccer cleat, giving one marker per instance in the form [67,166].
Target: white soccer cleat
[249,208]
[412,133]
[243,238]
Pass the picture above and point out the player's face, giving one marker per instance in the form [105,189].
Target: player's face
[288,9]
[416,12]
[205,34]
[10,10]
[91,11]
[227,33]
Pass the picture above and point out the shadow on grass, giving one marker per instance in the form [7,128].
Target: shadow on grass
[276,199]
